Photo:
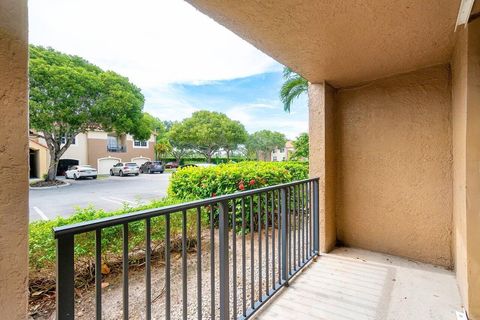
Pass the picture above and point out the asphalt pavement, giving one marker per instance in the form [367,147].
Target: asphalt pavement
[108,193]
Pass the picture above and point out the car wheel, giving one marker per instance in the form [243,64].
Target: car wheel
[111,172]
[136,174]
[161,172]
[120,173]
[94,177]
[75,176]
[140,170]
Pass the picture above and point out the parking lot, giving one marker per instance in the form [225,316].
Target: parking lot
[108,193]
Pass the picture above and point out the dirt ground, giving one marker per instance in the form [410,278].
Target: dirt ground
[112,284]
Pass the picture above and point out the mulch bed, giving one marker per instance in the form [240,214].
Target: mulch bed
[53,183]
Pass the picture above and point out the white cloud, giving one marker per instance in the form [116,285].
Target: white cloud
[158,43]
[152,42]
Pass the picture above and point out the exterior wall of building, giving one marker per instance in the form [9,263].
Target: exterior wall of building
[14,159]
[43,157]
[322,158]
[466,159]
[394,181]
[97,148]
[79,150]
[283,154]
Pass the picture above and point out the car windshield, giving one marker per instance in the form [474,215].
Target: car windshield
[157,162]
[131,164]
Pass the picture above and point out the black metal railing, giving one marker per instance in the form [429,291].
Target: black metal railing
[116,149]
[265,236]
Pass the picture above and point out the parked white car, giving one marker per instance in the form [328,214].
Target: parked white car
[123,169]
[83,171]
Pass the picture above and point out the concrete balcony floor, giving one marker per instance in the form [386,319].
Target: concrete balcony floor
[353,284]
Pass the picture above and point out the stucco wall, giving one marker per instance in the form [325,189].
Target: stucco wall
[322,160]
[459,121]
[473,168]
[13,159]
[78,151]
[394,160]
[97,148]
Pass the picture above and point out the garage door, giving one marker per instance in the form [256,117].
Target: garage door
[105,164]
[140,160]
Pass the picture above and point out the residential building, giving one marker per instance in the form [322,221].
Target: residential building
[103,150]
[38,158]
[97,148]
[394,126]
[283,153]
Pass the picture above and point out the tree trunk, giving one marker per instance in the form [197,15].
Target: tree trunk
[209,158]
[56,152]
[52,171]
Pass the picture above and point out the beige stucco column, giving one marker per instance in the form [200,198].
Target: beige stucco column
[322,157]
[13,159]
[473,168]
[466,164]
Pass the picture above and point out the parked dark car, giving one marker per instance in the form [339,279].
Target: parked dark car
[152,167]
[171,165]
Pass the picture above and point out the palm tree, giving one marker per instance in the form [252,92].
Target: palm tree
[293,87]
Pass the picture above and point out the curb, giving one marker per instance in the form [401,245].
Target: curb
[52,187]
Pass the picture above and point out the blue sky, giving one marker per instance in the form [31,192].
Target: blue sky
[181,59]
[251,100]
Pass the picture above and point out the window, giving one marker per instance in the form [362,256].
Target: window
[274,158]
[282,150]
[140,144]
[64,140]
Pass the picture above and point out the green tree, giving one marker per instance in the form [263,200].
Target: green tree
[162,149]
[234,134]
[155,125]
[293,87]
[69,95]
[179,140]
[207,132]
[264,142]
[301,147]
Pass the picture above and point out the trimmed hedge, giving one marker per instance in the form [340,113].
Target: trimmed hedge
[42,243]
[199,183]
[188,160]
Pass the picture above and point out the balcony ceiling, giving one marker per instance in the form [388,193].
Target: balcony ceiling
[343,42]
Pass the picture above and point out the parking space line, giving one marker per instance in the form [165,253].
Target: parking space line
[123,200]
[40,213]
[111,200]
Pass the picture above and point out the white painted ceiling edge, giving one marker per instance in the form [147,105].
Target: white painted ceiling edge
[464,12]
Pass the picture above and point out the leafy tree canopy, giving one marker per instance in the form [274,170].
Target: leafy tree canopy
[207,132]
[301,147]
[69,95]
[265,141]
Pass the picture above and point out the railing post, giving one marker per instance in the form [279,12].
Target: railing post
[284,228]
[224,262]
[65,278]
[316,235]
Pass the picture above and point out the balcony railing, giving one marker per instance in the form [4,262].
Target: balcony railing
[116,149]
[284,217]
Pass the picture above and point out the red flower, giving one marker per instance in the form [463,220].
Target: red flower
[252,182]
[241,186]
[214,194]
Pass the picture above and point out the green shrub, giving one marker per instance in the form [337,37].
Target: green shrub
[198,183]
[42,243]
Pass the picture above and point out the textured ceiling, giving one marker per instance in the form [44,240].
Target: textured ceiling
[343,42]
